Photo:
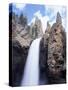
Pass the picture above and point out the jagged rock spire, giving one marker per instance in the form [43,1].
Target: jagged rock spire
[48,26]
[58,18]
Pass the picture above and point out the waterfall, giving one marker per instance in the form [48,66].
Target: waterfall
[31,70]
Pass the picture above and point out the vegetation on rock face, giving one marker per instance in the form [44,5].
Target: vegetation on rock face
[36,29]
[21,31]
[23,20]
[52,47]
[55,45]
[21,36]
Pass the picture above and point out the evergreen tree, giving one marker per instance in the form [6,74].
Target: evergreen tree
[23,20]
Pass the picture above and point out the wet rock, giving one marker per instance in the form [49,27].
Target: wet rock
[43,62]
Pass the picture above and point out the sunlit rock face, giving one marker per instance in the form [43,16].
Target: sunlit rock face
[56,44]
[21,35]
[53,45]
[52,58]
[36,29]
[56,55]
[25,34]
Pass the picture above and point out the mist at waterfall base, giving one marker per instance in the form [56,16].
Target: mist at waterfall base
[31,70]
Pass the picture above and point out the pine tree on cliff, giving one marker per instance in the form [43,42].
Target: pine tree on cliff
[23,20]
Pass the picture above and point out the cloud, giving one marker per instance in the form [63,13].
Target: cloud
[38,14]
[32,21]
[44,22]
[54,9]
[52,12]
[50,15]
[20,6]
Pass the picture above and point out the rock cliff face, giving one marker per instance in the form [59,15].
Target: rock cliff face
[19,56]
[44,47]
[21,35]
[25,34]
[54,44]
[36,29]
[52,49]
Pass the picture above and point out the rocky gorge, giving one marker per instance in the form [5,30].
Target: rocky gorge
[52,57]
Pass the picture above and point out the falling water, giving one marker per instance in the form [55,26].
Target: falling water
[31,71]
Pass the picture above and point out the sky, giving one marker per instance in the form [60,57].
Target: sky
[43,12]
